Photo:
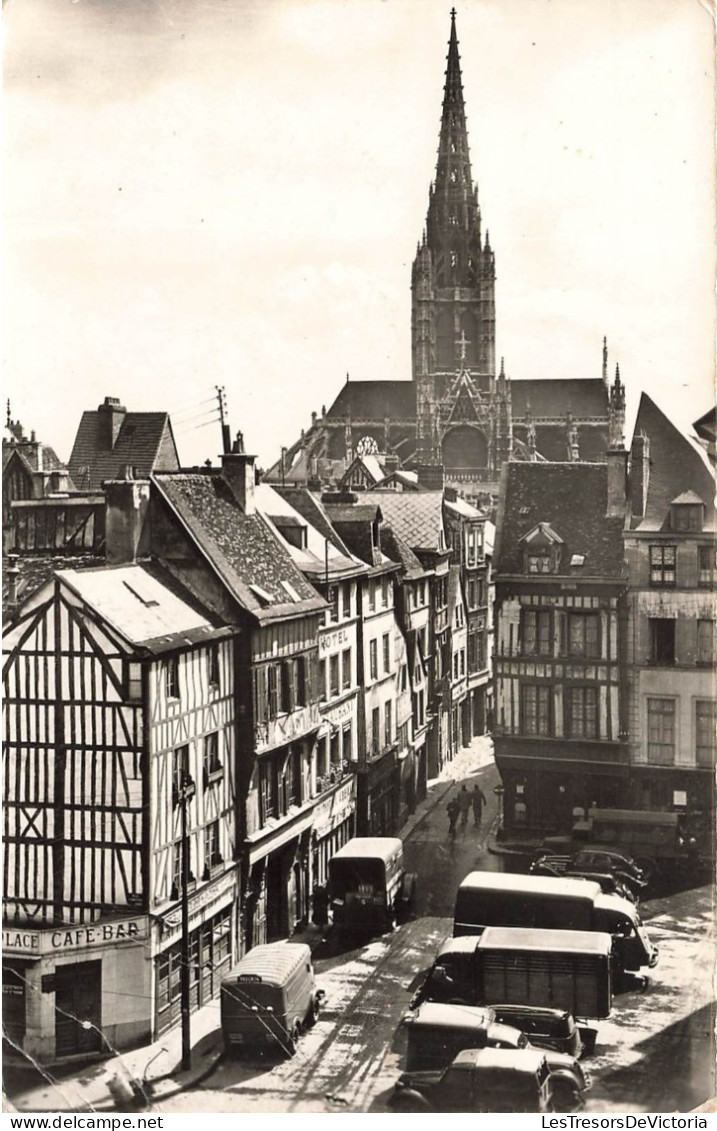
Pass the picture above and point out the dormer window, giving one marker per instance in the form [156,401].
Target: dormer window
[687,513]
[541,549]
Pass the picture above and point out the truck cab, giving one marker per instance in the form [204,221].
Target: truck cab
[477,1080]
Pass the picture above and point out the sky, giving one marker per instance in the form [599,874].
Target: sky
[204,193]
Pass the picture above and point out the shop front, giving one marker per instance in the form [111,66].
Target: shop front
[65,989]
[334,820]
[277,892]
[212,934]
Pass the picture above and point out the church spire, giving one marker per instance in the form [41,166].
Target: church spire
[453,212]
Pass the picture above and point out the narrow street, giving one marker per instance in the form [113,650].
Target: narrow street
[654,1053]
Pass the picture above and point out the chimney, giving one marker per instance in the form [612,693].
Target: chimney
[239,475]
[391,463]
[616,483]
[111,415]
[126,519]
[639,474]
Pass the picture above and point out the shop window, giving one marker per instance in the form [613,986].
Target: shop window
[582,721]
[661,732]
[705,733]
[535,705]
[662,641]
[662,565]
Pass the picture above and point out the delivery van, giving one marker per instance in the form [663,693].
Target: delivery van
[269,997]
[369,888]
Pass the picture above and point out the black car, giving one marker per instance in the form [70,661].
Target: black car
[591,863]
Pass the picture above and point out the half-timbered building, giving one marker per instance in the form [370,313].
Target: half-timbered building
[117,685]
[560,727]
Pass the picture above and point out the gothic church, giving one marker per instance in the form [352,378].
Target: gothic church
[458,420]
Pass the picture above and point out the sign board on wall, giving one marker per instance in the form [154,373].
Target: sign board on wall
[63,939]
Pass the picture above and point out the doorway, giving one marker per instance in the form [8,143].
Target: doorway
[78,1009]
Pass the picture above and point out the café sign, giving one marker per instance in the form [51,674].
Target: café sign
[63,939]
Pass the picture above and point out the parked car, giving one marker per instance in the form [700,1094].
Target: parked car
[436,1033]
[496,1080]
[594,861]
[369,887]
[559,866]
[269,997]
[548,1028]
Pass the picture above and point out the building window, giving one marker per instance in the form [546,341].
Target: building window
[268,790]
[292,778]
[321,758]
[582,712]
[539,563]
[212,763]
[455,665]
[462,661]
[180,772]
[333,598]
[346,599]
[373,659]
[171,677]
[212,854]
[375,731]
[133,680]
[584,635]
[386,652]
[705,733]
[300,680]
[474,545]
[346,669]
[213,665]
[177,850]
[334,682]
[388,717]
[662,565]
[385,592]
[371,594]
[286,685]
[334,751]
[272,681]
[536,632]
[322,681]
[661,731]
[535,702]
[705,642]
[662,641]
[687,517]
[347,749]
[706,563]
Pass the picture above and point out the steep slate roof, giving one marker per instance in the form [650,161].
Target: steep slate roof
[310,507]
[29,453]
[241,548]
[35,571]
[415,517]
[675,467]
[551,397]
[320,557]
[354,525]
[145,441]
[399,551]
[376,400]
[572,499]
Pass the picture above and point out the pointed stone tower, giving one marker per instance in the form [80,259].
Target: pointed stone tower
[453,305]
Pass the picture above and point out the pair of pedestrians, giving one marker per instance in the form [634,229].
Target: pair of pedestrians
[461,806]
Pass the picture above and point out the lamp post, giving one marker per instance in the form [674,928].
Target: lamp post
[186,792]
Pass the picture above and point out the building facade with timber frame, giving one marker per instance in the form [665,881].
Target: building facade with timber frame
[115,683]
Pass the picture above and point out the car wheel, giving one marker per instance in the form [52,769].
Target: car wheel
[410,1103]
[314,1012]
[294,1038]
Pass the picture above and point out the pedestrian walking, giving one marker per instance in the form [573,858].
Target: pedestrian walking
[477,801]
[452,810]
[464,805]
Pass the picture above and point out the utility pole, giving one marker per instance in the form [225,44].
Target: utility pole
[222,398]
[187,789]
